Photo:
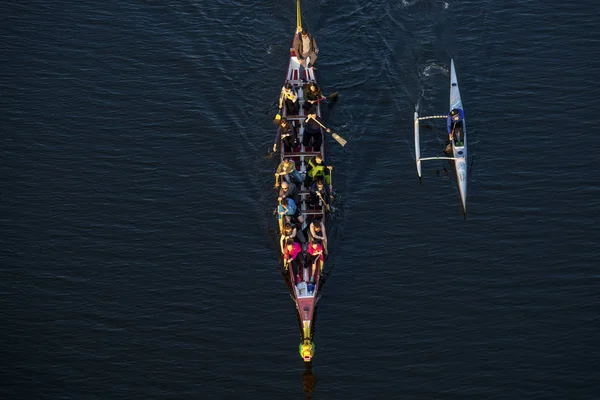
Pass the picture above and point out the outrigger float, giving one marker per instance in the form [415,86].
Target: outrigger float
[459,148]
[304,293]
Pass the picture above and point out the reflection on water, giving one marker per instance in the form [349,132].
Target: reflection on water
[309,381]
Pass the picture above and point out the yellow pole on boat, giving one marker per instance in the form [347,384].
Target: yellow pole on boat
[298,17]
[306,330]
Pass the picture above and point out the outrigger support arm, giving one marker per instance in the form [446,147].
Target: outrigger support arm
[437,158]
[433,117]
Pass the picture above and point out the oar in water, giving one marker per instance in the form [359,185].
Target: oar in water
[337,137]
[330,168]
[324,202]
[332,97]
[332,208]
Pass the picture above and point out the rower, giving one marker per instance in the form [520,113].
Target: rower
[289,212]
[315,170]
[287,133]
[316,231]
[315,258]
[312,129]
[319,194]
[312,95]
[455,124]
[289,190]
[292,254]
[290,97]
[290,231]
[287,170]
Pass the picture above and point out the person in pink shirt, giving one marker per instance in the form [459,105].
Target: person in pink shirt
[315,254]
[292,254]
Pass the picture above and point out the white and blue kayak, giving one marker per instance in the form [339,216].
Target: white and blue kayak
[459,147]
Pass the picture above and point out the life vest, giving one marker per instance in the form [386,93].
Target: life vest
[316,169]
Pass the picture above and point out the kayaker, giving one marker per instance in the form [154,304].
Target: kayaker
[287,133]
[312,129]
[455,124]
[312,95]
[319,194]
[290,97]
[315,254]
[316,169]
[305,46]
[292,255]
[287,170]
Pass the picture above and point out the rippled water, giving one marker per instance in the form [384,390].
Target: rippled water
[139,256]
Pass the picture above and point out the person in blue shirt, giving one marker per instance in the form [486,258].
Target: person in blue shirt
[455,124]
[288,211]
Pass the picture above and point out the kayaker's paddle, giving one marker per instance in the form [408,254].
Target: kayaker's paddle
[337,137]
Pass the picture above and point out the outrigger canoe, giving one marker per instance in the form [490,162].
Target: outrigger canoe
[304,294]
[459,149]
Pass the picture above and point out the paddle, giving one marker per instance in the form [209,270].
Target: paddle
[332,208]
[452,132]
[332,97]
[337,137]
[323,200]
[278,116]
[280,218]
[330,168]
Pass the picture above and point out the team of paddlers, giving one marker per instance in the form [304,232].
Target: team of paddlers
[302,247]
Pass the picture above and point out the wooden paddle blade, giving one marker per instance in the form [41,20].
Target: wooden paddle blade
[277,119]
[339,139]
[333,96]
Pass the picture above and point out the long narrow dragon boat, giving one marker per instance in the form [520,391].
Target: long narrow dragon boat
[305,294]
[458,144]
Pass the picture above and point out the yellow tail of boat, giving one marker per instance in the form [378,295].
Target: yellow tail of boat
[298,17]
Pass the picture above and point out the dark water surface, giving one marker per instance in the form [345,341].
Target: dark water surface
[138,252]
